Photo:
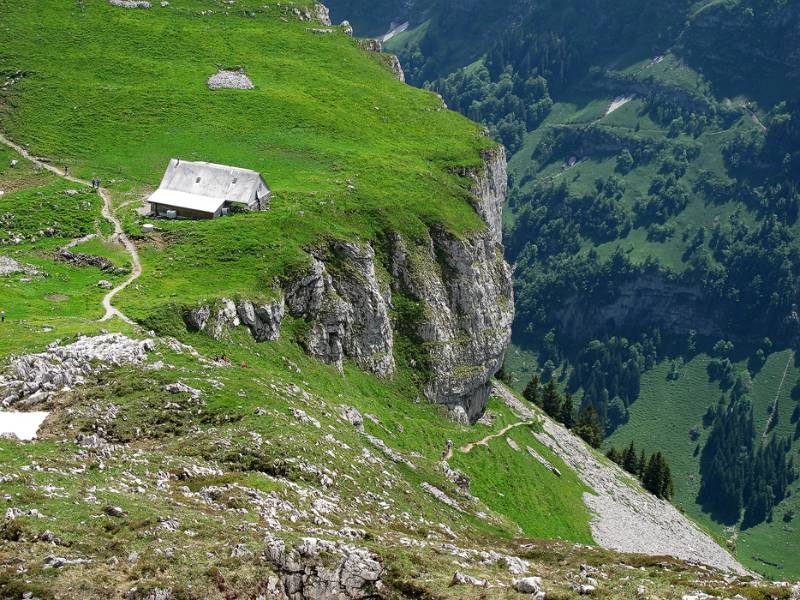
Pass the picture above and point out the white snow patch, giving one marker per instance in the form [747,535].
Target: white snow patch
[23,425]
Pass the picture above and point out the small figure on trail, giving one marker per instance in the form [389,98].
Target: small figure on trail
[66,170]
[448,449]
[2,316]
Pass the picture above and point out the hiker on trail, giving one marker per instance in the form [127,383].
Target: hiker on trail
[2,316]
[447,449]
[66,170]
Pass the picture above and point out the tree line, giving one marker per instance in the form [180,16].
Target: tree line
[741,477]
[654,473]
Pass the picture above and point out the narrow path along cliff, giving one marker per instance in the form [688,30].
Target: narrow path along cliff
[467,448]
[108,215]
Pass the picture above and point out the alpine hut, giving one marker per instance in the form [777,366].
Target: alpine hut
[202,190]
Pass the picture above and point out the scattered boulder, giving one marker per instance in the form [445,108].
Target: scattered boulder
[182,388]
[530,585]
[352,415]
[130,3]
[301,416]
[105,284]
[441,496]
[320,569]
[459,415]
[462,579]
[114,511]
[587,589]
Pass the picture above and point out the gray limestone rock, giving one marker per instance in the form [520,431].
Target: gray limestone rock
[264,321]
[33,378]
[317,569]
[342,299]
[530,585]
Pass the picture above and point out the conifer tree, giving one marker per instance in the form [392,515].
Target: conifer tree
[641,465]
[629,461]
[568,413]
[589,427]
[531,392]
[551,400]
[614,456]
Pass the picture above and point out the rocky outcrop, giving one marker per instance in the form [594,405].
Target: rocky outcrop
[461,285]
[317,569]
[264,320]
[88,260]
[341,298]
[464,285]
[33,378]
[396,67]
[674,307]
[489,190]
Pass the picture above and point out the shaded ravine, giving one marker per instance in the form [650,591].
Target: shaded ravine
[108,215]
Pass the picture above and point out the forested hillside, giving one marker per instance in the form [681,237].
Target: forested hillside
[653,226]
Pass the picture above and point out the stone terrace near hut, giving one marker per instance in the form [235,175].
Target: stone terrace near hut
[202,190]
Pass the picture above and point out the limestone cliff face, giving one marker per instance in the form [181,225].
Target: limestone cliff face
[675,307]
[461,284]
[346,308]
[465,287]
[490,189]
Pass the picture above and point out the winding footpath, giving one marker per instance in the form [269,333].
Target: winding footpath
[108,215]
[467,448]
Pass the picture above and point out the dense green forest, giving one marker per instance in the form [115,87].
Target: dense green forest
[653,225]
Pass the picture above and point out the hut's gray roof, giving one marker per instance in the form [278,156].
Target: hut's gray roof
[205,186]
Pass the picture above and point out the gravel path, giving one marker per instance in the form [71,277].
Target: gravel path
[108,215]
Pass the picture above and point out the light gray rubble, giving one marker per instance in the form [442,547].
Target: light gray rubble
[626,518]
[232,80]
[33,378]
[9,266]
[130,3]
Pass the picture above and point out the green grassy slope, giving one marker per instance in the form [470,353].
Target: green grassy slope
[115,93]
[128,91]
[663,419]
